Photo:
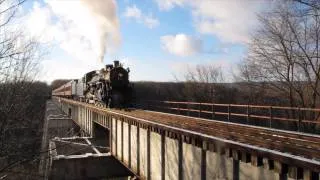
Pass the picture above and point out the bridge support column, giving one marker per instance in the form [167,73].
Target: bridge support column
[134,148]
[114,136]
[172,158]
[119,136]
[156,151]
[125,143]
[143,156]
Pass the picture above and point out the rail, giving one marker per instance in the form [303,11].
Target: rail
[272,116]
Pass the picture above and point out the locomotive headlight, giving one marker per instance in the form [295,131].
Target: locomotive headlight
[120,74]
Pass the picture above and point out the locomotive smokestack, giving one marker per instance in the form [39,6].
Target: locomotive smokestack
[116,64]
[109,66]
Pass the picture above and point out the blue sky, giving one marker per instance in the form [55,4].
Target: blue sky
[155,38]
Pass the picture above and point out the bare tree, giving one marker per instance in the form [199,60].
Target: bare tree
[311,3]
[200,82]
[284,53]
[21,102]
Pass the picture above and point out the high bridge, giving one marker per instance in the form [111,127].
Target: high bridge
[158,145]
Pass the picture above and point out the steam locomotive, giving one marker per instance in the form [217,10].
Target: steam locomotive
[108,87]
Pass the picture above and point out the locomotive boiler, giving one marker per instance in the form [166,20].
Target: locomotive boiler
[108,87]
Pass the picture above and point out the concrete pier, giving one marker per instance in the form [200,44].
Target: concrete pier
[78,149]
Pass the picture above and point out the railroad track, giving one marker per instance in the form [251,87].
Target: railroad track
[297,146]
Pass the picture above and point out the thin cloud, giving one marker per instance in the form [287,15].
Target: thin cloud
[132,12]
[181,44]
[231,21]
[169,4]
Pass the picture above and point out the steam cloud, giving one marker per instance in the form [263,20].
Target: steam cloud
[86,29]
[107,24]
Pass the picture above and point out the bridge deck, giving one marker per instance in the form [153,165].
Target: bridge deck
[285,146]
[299,144]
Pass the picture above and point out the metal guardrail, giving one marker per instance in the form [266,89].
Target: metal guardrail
[271,114]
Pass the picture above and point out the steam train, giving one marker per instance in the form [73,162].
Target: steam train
[108,87]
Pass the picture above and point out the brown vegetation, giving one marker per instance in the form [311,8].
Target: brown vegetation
[22,100]
[284,52]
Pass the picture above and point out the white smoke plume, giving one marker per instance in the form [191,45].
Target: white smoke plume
[107,23]
[86,29]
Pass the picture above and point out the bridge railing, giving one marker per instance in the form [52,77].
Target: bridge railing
[289,118]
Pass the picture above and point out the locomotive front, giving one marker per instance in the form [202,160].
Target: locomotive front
[109,86]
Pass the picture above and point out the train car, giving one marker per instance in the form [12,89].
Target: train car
[78,87]
[64,91]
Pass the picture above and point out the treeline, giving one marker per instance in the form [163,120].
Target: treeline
[225,93]
[206,83]
[22,99]
[22,110]
[284,52]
